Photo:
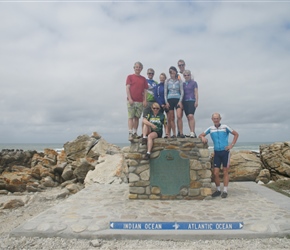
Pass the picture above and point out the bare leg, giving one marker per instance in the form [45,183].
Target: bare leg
[216,172]
[130,124]
[179,113]
[226,176]
[135,123]
[191,123]
[151,137]
[171,121]
[145,130]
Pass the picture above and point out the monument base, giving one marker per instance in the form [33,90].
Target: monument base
[178,169]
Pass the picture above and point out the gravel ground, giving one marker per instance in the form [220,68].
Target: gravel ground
[39,202]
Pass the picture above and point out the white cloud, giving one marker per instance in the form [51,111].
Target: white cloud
[63,66]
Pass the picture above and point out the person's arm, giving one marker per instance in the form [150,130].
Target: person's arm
[129,94]
[196,97]
[236,136]
[202,137]
[156,95]
[146,122]
[145,94]
[166,93]
[181,92]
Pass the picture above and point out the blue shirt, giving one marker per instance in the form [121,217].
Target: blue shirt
[151,85]
[219,136]
[159,94]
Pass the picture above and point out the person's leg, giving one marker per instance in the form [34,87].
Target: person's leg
[146,110]
[216,172]
[226,165]
[130,124]
[151,137]
[138,112]
[179,113]
[130,110]
[135,124]
[190,119]
[171,122]
[145,130]
[226,178]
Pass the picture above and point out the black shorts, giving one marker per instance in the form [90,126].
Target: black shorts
[221,157]
[188,107]
[159,133]
[173,103]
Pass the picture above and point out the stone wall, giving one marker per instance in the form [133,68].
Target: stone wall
[175,164]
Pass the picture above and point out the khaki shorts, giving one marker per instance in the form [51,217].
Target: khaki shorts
[147,109]
[135,110]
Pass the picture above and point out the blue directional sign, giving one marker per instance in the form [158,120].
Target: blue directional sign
[132,225]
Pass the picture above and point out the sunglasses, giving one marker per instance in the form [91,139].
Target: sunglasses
[186,75]
[156,108]
[181,65]
[150,73]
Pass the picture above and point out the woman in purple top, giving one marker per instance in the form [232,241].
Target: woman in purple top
[190,100]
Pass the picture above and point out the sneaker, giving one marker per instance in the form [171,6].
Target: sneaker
[181,136]
[130,137]
[224,195]
[135,136]
[144,141]
[173,136]
[178,134]
[192,135]
[147,156]
[166,136]
[216,193]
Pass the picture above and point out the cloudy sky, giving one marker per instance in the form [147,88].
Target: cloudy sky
[64,64]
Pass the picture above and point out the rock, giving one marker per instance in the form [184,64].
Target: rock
[74,188]
[244,166]
[108,169]
[276,158]
[48,182]
[13,204]
[79,148]
[58,169]
[264,176]
[96,243]
[103,147]
[9,158]
[63,193]
[68,173]
[81,168]
[33,186]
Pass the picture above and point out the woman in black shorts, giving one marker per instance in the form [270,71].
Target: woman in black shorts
[173,95]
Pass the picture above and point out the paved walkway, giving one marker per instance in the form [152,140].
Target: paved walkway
[93,212]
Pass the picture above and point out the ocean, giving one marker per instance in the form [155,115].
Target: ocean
[39,147]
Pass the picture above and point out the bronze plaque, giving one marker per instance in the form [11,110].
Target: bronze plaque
[169,172]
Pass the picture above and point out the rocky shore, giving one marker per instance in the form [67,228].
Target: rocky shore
[32,182]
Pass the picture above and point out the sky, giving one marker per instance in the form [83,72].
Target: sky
[64,64]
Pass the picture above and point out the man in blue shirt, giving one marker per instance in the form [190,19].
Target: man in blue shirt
[219,134]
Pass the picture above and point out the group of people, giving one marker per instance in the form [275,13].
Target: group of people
[173,96]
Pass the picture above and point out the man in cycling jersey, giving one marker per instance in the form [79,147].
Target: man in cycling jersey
[219,134]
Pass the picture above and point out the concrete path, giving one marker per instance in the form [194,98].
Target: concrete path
[94,212]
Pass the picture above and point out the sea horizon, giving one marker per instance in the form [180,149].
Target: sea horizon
[39,147]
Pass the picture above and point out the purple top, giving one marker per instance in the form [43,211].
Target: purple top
[189,88]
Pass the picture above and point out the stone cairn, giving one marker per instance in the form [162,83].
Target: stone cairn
[199,186]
